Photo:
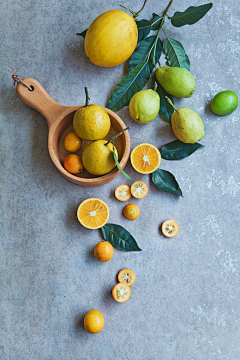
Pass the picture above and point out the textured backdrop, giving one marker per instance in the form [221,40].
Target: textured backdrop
[185,302]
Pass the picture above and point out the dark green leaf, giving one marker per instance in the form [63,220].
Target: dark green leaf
[83,34]
[175,53]
[165,108]
[142,51]
[177,150]
[165,181]
[118,165]
[119,237]
[144,27]
[155,21]
[191,15]
[130,84]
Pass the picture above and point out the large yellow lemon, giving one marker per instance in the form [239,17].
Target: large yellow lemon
[111,38]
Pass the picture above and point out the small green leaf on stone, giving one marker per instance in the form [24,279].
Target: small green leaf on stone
[177,150]
[165,181]
[119,237]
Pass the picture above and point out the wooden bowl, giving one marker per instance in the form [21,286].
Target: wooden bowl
[60,123]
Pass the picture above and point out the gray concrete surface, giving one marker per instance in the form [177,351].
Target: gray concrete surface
[185,302]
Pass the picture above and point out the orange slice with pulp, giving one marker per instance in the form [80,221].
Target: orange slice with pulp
[93,213]
[145,158]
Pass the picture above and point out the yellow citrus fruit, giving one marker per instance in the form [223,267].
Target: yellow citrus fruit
[170,228]
[94,321]
[93,213]
[91,122]
[123,192]
[126,276]
[111,38]
[121,292]
[139,189]
[145,158]
[72,142]
[131,212]
[98,159]
[103,251]
[73,164]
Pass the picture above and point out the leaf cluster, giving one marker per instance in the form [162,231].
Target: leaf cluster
[144,60]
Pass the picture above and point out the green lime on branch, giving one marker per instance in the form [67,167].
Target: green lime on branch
[176,81]
[144,106]
[187,125]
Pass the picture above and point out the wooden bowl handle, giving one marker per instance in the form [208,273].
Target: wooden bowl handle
[39,100]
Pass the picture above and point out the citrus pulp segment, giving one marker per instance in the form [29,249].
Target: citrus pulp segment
[93,213]
[170,228]
[139,189]
[121,292]
[145,158]
[123,192]
[126,276]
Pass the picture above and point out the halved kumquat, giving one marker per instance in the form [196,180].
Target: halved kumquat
[126,276]
[139,189]
[93,213]
[121,292]
[123,192]
[170,228]
[145,158]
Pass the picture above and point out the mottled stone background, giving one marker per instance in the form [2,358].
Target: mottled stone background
[185,302]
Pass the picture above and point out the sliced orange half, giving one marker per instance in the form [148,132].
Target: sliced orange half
[170,228]
[121,292]
[126,276]
[93,213]
[139,189]
[145,158]
[123,192]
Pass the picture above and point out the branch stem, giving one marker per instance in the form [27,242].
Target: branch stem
[114,137]
[87,98]
[170,102]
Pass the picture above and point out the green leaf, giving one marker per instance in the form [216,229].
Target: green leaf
[177,150]
[165,181]
[119,237]
[175,54]
[191,15]
[142,51]
[155,21]
[130,84]
[165,108]
[117,163]
[83,33]
[144,27]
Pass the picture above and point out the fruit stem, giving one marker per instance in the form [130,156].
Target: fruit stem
[170,102]
[87,98]
[113,138]
[134,14]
